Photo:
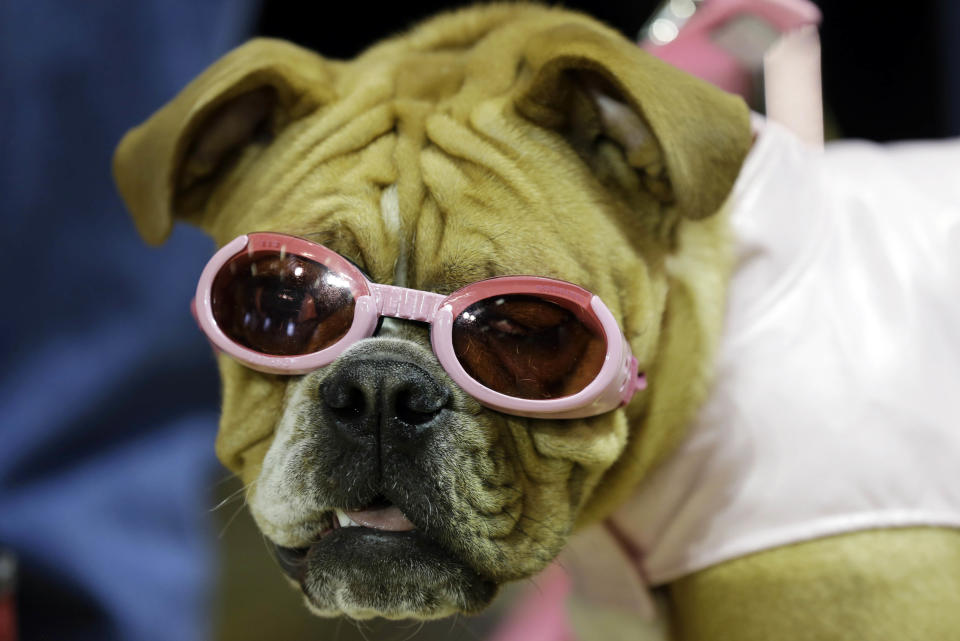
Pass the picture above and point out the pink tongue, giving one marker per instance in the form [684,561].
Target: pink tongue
[382,518]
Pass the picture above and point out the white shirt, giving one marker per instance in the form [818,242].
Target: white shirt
[836,403]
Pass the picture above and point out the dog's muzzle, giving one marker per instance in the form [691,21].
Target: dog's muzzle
[376,411]
[376,426]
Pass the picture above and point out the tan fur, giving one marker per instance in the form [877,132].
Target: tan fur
[890,585]
[488,123]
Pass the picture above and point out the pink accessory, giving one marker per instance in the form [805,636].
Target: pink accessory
[523,345]
[728,42]
[541,613]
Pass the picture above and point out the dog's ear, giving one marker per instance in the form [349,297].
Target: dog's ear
[685,139]
[167,167]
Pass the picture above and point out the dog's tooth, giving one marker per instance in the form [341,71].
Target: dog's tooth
[344,520]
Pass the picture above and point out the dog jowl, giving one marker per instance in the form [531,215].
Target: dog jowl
[497,141]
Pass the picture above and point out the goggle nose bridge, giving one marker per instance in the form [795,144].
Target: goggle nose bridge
[405,303]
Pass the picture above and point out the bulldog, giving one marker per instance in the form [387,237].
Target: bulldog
[447,269]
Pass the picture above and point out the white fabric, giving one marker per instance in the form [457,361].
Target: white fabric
[836,405]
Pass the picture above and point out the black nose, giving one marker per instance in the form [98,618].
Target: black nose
[382,399]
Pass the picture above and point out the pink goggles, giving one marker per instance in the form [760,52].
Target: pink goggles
[521,345]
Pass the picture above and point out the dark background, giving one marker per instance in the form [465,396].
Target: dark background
[887,70]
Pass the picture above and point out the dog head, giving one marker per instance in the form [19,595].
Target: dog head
[492,141]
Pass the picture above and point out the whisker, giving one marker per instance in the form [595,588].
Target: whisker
[231,520]
[232,497]
[226,477]
[359,625]
[418,630]
[467,628]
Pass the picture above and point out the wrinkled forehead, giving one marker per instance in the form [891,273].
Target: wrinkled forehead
[424,200]
[504,198]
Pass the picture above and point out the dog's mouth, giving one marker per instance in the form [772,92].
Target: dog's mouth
[379,515]
[374,561]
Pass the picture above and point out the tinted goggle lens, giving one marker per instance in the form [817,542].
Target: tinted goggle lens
[529,347]
[281,304]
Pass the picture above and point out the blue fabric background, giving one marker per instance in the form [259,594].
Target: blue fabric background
[108,392]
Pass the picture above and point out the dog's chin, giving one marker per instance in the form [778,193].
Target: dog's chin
[363,573]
